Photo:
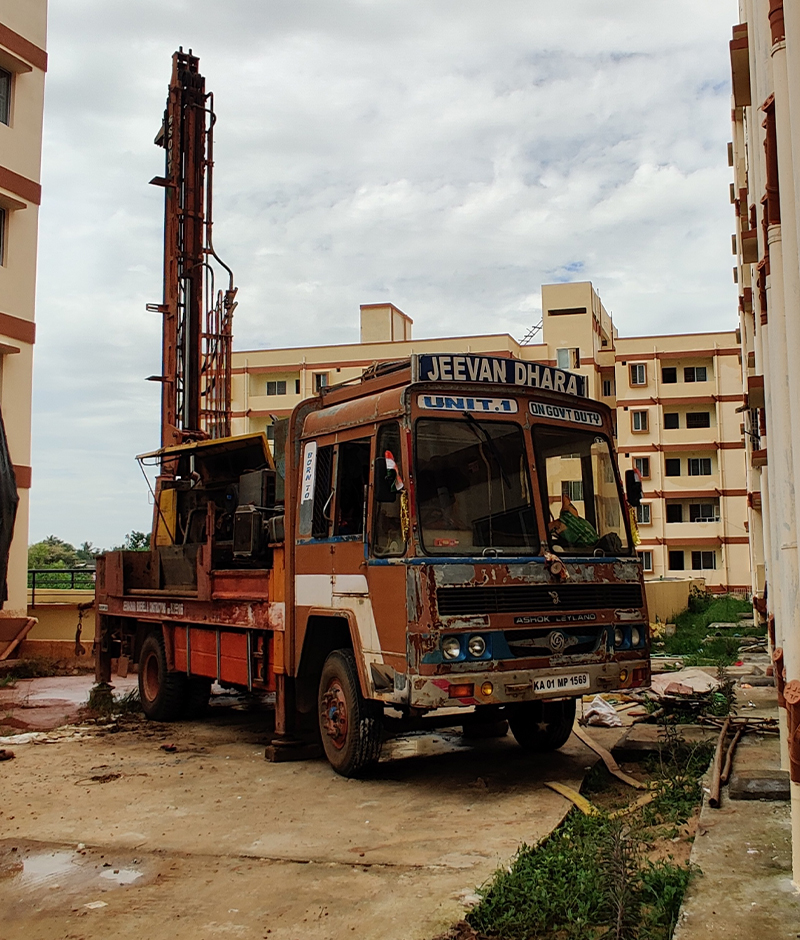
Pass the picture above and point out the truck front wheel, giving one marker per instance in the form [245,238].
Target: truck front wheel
[162,693]
[543,726]
[350,725]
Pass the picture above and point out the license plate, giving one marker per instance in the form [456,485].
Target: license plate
[555,685]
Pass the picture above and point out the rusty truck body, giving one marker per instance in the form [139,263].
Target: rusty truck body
[443,541]
[402,555]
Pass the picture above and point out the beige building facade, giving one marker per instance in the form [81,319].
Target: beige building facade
[23,63]
[765,158]
[676,399]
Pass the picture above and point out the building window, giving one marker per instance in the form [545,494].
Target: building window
[674,512]
[320,381]
[698,419]
[643,514]
[568,358]
[671,420]
[672,466]
[703,512]
[695,374]
[573,489]
[703,560]
[276,388]
[639,420]
[699,466]
[5,97]
[676,561]
[638,373]
[297,386]
[642,464]
[270,429]
[608,388]
[647,560]
[669,376]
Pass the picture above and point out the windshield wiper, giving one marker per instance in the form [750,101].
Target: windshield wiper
[489,440]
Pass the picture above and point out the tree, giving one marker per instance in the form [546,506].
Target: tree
[52,552]
[135,542]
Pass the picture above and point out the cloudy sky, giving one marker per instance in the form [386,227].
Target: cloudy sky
[449,156]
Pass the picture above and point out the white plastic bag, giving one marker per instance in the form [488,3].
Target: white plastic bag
[602,714]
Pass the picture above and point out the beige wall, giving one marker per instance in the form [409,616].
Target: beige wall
[20,170]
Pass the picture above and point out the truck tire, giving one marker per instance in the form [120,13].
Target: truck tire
[350,725]
[162,693]
[543,726]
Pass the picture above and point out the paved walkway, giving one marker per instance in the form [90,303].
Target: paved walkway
[744,851]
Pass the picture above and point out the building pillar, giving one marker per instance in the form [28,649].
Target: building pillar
[791,322]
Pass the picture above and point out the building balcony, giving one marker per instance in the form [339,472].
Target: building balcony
[686,487]
[687,532]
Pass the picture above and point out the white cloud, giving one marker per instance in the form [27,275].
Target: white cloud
[448,156]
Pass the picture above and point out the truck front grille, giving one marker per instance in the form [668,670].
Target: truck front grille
[530,598]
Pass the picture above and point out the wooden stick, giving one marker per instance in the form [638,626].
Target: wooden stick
[31,623]
[713,796]
[726,770]
[608,760]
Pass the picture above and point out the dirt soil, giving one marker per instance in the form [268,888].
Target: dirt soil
[104,833]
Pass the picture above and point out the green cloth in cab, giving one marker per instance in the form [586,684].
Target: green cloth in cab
[577,531]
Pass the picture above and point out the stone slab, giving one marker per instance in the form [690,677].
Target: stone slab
[767,784]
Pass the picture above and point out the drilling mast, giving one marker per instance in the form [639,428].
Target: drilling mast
[197,318]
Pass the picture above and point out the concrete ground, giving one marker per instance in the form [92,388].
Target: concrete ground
[103,833]
[743,849]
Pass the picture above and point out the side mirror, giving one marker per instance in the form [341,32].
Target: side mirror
[384,492]
[633,488]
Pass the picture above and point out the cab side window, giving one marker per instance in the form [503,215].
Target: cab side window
[352,478]
[391,498]
[323,494]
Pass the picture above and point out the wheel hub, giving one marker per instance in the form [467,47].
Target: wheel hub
[334,714]
[150,683]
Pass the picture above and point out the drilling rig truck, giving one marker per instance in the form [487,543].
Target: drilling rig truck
[444,541]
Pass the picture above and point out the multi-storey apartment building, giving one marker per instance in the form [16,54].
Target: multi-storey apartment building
[676,399]
[765,157]
[23,62]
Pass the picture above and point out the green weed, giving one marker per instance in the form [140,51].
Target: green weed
[692,629]
[591,879]
[588,880]
[29,669]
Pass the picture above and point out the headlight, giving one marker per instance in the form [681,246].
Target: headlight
[476,646]
[451,647]
[636,636]
[619,636]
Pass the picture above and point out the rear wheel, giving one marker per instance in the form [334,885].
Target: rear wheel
[350,725]
[162,693]
[543,726]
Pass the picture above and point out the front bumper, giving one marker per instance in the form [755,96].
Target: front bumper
[521,685]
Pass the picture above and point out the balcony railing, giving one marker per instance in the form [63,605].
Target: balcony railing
[59,579]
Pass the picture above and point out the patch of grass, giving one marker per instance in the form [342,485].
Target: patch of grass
[692,628]
[676,771]
[588,880]
[128,704]
[592,879]
[29,669]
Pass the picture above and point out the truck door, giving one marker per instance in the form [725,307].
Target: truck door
[389,535]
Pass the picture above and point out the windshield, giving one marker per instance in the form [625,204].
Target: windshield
[473,488]
[585,514]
